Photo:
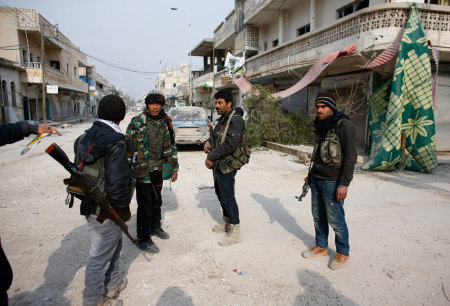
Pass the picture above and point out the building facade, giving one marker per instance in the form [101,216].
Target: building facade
[281,40]
[41,53]
[174,84]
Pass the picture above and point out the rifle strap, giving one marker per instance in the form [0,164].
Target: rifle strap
[226,127]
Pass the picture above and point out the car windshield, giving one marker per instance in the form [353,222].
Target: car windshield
[187,114]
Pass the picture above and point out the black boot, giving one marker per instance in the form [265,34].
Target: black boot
[160,233]
[148,245]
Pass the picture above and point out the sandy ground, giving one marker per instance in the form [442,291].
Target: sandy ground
[398,222]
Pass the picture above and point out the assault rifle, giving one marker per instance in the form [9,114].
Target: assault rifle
[82,179]
[305,187]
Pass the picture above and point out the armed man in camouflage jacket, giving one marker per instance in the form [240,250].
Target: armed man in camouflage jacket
[153,158]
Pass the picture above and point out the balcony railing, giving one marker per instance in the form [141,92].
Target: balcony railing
[247,39]
[206,78]
[374,26]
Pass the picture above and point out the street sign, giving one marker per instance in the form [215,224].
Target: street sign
[52,89]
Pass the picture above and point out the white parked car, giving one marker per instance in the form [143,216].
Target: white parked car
[190,123]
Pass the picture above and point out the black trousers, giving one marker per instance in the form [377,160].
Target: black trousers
[148,196]
[6,277]
[224,187]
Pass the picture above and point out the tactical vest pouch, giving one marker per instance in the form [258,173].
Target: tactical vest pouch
[330,149]
[234,161]
[139,167]
[240,156]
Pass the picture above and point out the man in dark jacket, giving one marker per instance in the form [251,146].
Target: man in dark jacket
[103,150]
[10,133]
[222,149]
[334,158]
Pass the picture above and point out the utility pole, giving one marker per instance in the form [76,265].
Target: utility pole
[44,106]
[88,102]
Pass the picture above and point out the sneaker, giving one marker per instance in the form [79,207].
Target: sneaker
[160,233]
[315,252]
[339,262]
[148,246]
[109,302]
[114,294]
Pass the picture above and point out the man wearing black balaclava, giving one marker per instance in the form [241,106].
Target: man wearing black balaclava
[334,158]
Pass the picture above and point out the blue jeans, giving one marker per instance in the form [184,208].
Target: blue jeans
[102,268]
[224,187]
[326,210]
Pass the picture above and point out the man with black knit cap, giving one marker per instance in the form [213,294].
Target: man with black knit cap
[153,158]
[334,158]
[101,152]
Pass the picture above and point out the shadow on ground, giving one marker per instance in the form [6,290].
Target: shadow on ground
[317,290]
[64,264]
[207,201]
[174,296]
[278,213]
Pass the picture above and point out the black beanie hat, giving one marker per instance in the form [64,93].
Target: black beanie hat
[328,99]
[111,107]
[155,96]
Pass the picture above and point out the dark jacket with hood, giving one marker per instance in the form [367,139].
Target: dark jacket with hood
[115,161]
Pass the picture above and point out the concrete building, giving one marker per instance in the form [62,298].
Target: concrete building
[65,67]
[283,38]
[174,84]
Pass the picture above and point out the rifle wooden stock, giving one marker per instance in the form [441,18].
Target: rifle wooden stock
[107,211]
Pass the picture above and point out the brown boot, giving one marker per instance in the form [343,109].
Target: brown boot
[233,235]
[315,252]
[339,262]
[222,228]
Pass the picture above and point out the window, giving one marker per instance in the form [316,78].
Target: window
[75,71]
[25,57]
[4,93]
[274,43]
[55,64]
[38,59]
[265,46]
[174,85]
[351,8]
[67,68]
[303,30]
[13,94]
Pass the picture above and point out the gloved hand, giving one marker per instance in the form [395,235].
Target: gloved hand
[124,213]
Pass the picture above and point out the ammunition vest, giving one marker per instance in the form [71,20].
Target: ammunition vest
[148,152]
[239,157]
[329,151]
[96,173]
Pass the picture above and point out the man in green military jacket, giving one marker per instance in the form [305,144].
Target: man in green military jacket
[153,158]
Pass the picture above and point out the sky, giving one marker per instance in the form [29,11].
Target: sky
[142,35]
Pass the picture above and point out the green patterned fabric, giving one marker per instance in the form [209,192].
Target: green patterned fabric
[405,105]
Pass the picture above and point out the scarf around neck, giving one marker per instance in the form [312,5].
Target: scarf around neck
[323,126]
